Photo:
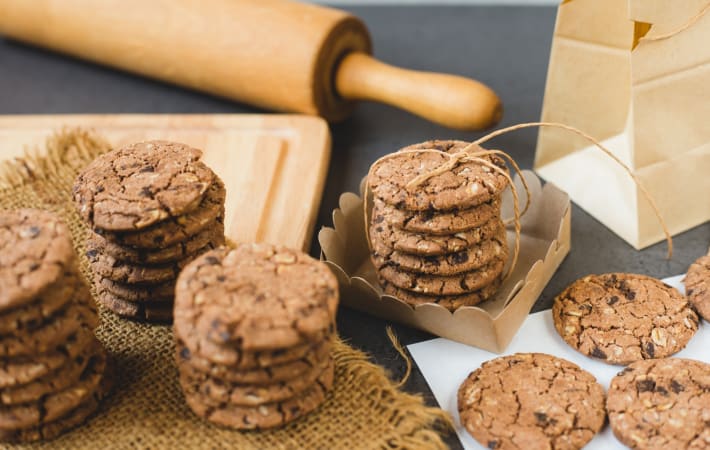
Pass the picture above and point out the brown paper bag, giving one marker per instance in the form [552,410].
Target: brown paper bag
[636,75]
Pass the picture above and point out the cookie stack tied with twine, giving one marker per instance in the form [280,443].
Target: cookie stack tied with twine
[435,231]
[254,327]
[53,371]
[152,208]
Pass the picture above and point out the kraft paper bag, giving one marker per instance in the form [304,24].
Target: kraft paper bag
[634,74]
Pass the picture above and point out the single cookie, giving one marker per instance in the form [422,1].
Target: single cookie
[75,417]
[266,415]
[257,295]
[661,404]
[697,286]
[178,229]
[531,400]
[437,223]
[451,264]
[217,357]
[141,184]
[33,315]
[435,285]
[450,302]
[157,310]
[25,369]
[57,404]
[217,391]
[266,375]
[36,251]
[107,266]
[64,377]
[213,235]
[464,186]
[135,293]
[621,318]
[62,325]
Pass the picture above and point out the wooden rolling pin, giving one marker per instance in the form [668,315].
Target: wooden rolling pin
[276,54]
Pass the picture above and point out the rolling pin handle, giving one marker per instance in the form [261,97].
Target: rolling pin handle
[449,100]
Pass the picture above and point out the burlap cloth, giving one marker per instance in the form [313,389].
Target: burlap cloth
[146,409]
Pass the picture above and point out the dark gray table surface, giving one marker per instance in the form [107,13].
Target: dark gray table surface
[505,47]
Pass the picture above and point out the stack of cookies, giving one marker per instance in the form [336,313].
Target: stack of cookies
[442,241]
[254,328]
[53,370]
[151,208]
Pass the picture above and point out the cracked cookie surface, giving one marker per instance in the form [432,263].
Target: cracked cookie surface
[531,400]
[697,286]
[450,302]
[661,404]
[466,185]
[433,285]
[258,296]
[35,251]
[621,318]
[141,184]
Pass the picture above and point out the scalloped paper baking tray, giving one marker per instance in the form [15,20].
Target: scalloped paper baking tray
[544,243]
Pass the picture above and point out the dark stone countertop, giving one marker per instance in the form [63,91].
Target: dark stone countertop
[505,47]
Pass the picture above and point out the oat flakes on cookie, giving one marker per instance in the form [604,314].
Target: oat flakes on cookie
[254,328]
[531,401]
[52,366]
[661,404]
[620,318]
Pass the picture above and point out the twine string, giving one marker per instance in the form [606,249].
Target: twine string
[400,349]
[679,30]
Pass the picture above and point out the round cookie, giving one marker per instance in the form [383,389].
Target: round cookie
[466,185]
[62,325]
[178,229]
[267,375]
[57,404]
[621,318]
[661,404]
[218,391]
[697,286]
[434,285]
[138,185]
[157,310]
[74,418]
[422,244]
[450,264]
[266,415]
[259,295]
[107,266]
[62,378]
[211,235]
[216,357]
[135,293]
[436,223]
[33,315]
[531,400]
[450,302]
[36,250]
[25,369]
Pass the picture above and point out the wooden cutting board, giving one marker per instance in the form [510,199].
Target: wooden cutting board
[273,166]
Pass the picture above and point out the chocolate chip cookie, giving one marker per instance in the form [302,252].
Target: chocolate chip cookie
[139,185]
[135,293]
[531,400]
[621,318]
[466,185]
[450,302]
[462,283]
[697,286]
[265,415]
[259,295]
[155,310]
[107,266]
[436,223]
[212,236]
[36,251]
[661,404]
